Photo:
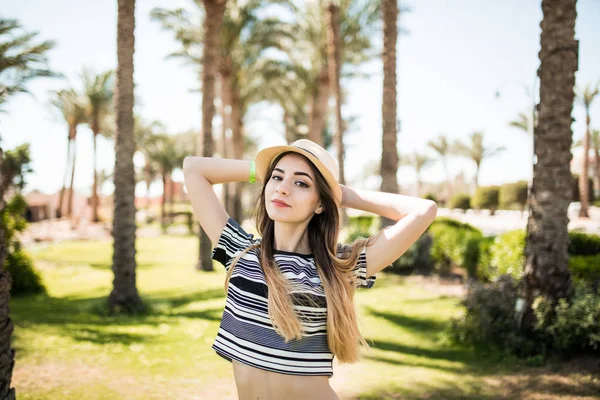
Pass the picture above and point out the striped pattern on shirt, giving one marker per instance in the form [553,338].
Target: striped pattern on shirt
[246,333]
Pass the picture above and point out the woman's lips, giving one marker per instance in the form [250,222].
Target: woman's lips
[279,204]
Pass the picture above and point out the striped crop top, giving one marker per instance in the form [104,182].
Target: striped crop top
[246,333]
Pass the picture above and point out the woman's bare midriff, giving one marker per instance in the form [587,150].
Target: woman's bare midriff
[258,384]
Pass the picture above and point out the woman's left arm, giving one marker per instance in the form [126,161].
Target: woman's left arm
[413,214]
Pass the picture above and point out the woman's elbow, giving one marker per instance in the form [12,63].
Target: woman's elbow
[430,209]
[191,164]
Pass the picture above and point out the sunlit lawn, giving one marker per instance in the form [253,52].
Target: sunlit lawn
[66,350]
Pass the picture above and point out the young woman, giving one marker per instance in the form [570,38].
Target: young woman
[289,307]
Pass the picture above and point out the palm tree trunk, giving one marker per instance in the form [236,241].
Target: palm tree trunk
[389,139]
[66,176]
[334,63]
[171,197]
[318,112]
[333,60]
[226,124]
[448,181]
[212,26]
[238,152]
[70,198]
[148,179]
[584,177]
[7,355]
[163,202]
[546,270]
[124,295]
[95,217]
[597,171]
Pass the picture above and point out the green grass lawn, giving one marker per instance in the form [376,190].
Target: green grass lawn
[65,348]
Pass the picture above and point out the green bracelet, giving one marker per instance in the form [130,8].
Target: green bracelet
[252,172]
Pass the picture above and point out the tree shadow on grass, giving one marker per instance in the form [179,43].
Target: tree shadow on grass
[108,266]
[421,326]
[485,375]
[99,336]
[84,319]
[520,383]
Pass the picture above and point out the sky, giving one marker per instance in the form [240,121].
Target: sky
[452,60]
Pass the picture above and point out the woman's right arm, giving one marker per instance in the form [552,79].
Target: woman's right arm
[200,173]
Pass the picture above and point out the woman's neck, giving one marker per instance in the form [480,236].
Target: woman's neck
[292,237]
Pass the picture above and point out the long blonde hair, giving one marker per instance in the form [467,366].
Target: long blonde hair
[336,274]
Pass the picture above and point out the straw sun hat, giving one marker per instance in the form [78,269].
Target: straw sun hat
[320,157]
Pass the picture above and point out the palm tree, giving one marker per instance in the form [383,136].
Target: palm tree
[476,151]
[521,123]
[308,60]
[546,268]
[99,95]
[144,132]
[333,61]
[20,59]
[586,97]
[595,147]
[595,142]
[69,103]
[7,359]
[418,161]
[442,147]
[389,105]
[213,17]
[163,152]
[124,295]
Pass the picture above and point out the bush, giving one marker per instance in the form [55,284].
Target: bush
[460,201]
[25,279]
[431,196]
[489,320]
[513,195]
[455,245]
[571,326]
[582,244]
[486,197]
[507,255]
[586,268]
[362,223]
[416,259]
[485,256]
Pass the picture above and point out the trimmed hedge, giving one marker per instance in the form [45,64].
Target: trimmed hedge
[507,256]
[513,195]
[460,201]
[486,197]
[455,245]
[582,244]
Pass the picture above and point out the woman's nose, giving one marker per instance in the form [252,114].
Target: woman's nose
[283,188]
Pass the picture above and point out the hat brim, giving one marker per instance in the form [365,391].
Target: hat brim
[265,157]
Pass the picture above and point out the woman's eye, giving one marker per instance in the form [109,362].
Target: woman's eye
[299,183]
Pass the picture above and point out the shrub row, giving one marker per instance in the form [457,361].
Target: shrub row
[510,196]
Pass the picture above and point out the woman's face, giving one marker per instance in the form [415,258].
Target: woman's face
[293,183]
